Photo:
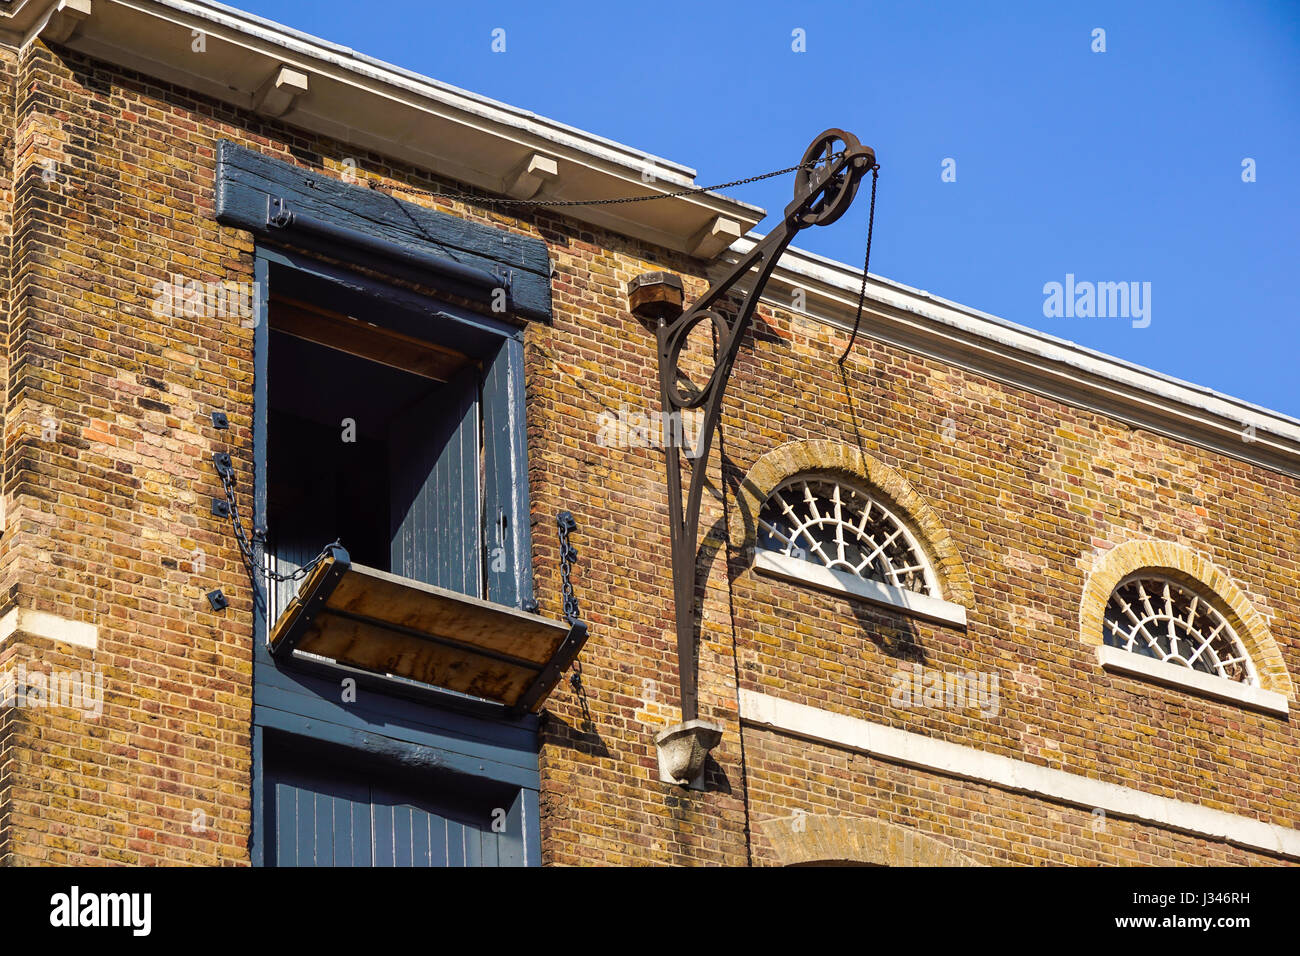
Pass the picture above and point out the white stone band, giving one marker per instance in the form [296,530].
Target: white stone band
[956,760]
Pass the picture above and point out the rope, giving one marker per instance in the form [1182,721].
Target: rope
[866,261]
[554,203]
[695,191]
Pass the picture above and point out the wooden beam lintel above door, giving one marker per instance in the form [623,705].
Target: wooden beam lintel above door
[344,333]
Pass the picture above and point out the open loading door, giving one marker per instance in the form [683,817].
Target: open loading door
[396,626]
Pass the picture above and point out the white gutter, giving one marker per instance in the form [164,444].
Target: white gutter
[991,346]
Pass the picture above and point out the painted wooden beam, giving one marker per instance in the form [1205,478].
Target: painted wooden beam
[248,180]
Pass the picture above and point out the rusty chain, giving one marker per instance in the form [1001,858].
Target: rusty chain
[568,554]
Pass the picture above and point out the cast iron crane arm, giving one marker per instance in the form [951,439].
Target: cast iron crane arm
[828,179]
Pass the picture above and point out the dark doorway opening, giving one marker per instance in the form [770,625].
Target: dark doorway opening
[371,450]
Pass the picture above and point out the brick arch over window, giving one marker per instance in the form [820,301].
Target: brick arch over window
[828,840]
[836,458]
[1184,565]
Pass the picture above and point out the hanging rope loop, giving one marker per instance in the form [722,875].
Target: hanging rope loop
[820,161]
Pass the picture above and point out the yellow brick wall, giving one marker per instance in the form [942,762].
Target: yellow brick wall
[103,522]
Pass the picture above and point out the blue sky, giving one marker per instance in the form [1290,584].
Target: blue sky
[1122,166]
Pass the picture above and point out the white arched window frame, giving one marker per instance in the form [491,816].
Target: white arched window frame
[1175,633]
[1168,621]
[834,534]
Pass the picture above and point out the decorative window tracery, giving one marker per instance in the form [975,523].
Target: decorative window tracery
[1162,619]
[842,527]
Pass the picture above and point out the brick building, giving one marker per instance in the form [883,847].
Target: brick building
[976,596]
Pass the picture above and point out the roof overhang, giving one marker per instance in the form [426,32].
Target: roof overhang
[55,20]
[336,92]
[963,337]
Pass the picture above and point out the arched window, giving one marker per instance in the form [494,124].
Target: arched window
[1164,614]
[835,535]
[1159,618]
[840,526]
[825,515]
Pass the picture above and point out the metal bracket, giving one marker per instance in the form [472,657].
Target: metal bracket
[564,656]
[220,421]
[830,173]
[277,213]
[221,507]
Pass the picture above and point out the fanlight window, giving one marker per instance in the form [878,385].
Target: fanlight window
[843,528]
[1158,618]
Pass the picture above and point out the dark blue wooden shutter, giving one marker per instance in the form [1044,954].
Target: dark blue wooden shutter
[320,822]
[325,812]
[442,829]
[433,451]
[507,540]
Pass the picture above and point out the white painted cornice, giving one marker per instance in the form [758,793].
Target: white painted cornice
[357,100]
[1041,363]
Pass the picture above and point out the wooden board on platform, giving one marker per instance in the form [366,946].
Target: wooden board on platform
[387,624]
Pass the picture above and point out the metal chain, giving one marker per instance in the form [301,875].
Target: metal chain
[568,554]
[248,548]
[694,191]
[866,261]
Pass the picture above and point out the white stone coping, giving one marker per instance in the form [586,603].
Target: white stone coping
[44,624]
[841,582]
[968,763]
[1174,675]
